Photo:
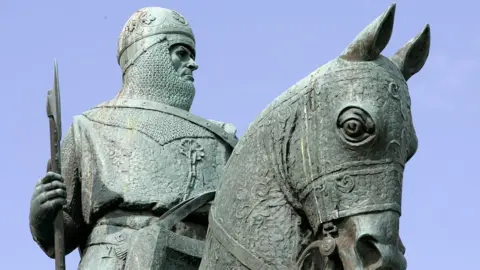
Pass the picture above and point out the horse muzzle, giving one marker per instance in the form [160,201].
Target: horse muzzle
[371,242]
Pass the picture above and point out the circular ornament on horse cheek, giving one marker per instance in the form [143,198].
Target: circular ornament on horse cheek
[328,246]
[345,184]
[393,89]
[394,149]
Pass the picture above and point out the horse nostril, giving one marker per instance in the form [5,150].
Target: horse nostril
[367,251]
[379,256]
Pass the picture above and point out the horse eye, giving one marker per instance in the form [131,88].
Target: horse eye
[355,125]
[354,128]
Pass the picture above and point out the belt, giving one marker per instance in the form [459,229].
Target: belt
[131,223]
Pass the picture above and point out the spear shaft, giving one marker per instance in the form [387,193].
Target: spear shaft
[55,121]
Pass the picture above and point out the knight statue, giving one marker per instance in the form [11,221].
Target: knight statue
[138,172]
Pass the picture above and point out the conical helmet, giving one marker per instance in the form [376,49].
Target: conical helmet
[148,26]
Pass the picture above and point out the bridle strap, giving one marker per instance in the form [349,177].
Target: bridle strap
[327,246]
[246,257]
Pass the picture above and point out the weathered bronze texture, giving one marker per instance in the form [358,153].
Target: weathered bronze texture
[314,183]
[316,180]
[138,172]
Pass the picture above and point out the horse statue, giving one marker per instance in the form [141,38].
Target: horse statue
[316,180]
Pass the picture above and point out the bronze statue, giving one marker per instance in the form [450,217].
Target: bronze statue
[316,181]
[138,171]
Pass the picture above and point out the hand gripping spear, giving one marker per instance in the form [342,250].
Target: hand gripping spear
[54,116]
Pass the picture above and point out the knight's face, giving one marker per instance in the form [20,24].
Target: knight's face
[183,61]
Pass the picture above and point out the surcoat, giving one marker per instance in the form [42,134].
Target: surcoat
[137,156]
[145,158]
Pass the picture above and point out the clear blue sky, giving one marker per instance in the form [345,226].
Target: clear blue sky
[249,52]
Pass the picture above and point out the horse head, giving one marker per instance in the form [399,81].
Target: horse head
[317,177]
[358,136]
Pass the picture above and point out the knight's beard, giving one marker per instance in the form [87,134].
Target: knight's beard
[152,77]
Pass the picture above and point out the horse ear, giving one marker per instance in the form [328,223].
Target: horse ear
[373,39]
[413,55]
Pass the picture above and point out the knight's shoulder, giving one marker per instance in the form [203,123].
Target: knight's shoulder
[92,110]
[228,127]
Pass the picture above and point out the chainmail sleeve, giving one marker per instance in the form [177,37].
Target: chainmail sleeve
[74,225]
[73,218]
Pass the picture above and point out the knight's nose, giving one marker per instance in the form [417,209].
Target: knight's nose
[192,65]
[380,256]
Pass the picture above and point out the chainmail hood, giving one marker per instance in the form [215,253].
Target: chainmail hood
[143,54]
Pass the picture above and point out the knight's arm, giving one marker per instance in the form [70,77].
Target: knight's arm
[72,211]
